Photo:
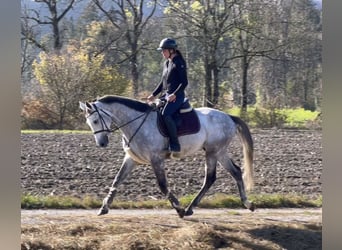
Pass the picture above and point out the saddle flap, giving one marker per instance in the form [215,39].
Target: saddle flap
[188,124]
[186,106]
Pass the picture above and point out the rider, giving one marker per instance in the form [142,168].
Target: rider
[172,85]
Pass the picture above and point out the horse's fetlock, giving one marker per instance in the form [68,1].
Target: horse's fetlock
[103,210]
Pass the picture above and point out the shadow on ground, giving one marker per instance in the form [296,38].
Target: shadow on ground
[291,238]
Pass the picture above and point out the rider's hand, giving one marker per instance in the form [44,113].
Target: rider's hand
[171,98]
[150,98]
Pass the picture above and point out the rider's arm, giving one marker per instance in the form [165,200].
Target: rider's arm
[159,87]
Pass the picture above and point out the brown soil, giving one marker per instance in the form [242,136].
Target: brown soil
[286,161]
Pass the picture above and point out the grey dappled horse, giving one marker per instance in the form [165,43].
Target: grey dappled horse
[143,144]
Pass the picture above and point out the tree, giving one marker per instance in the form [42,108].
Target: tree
[70,76]
[57,11]
[207,22]
[40,31]
[294,73]
[250,42]
[129,18]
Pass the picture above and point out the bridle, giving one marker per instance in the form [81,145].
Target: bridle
[105,128]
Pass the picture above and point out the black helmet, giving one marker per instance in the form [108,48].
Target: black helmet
[167,43]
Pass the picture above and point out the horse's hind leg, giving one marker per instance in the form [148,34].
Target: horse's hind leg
[209,179]
[158,168]
[235,171]
[124,171]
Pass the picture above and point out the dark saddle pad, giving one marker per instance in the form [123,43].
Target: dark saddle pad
[186,120]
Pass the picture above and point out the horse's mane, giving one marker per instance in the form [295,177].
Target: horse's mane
[131,103]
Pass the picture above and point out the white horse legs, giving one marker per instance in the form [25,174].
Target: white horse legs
[158,167]
[126,167]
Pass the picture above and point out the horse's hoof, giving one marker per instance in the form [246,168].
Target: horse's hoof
[189,212]
[181,212]
[103,211]
[250,206]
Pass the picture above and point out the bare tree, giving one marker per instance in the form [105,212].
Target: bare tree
[250,42]
[207,22]
[57,11]
[129,18]
[294,73]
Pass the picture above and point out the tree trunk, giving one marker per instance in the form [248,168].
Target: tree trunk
[244,86]
[208,91]
[216,93]
[134,71]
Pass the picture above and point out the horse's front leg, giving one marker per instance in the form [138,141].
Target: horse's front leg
[124,171]
[158,168]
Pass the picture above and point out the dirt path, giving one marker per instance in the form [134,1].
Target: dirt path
[163,229]
[41,216]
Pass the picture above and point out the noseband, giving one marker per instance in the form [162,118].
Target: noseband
[105,127]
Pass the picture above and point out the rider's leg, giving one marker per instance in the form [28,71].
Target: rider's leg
[172,131]
[169,109]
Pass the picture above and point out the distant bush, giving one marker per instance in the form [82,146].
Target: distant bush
[36,115]
[298,118]
[70,76]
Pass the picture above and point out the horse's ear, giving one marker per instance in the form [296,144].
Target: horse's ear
[89,105]
[82,106]
[86,107]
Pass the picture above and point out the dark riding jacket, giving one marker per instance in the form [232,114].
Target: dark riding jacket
[174,78]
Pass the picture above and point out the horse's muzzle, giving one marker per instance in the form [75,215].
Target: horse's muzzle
[102,141]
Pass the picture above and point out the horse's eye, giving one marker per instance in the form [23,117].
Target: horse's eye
[96,121]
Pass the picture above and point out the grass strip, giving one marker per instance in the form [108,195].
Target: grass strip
[29,201]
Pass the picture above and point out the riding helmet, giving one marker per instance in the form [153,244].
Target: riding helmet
[167,43]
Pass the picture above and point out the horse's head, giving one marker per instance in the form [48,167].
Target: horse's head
[99,122]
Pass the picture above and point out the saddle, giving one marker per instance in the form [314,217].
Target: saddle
[186,119]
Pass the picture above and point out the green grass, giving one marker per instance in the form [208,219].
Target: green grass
[29,201]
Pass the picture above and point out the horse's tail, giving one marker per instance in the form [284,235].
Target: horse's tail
[248,149]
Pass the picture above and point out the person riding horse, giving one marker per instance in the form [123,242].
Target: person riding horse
[172,86]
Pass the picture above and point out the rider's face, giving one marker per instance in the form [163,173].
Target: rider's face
[166,53]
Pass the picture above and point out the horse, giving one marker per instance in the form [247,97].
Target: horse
[144,144]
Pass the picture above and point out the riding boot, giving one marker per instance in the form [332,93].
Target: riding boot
[172,131]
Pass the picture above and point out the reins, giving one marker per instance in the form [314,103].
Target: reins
[118,127]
